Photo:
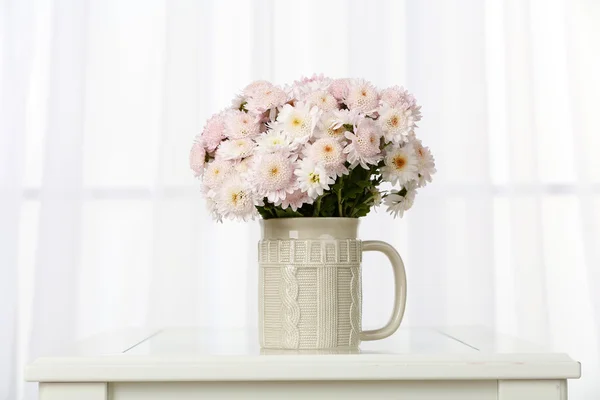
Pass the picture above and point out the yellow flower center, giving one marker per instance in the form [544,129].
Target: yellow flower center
[336,132]
[314,178]
[296,121]
[399,162]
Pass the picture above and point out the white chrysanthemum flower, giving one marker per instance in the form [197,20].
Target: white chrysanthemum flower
[273,141]
[216,172]
[237,102]
[425,163]
[329,126]
[272,176]
[398,202]
[235,200]
[243,166]
[328,152]
[400,165]
[211,206]
[364,148]
[396,123]
[197,158]
[322,99]
[295,200]
[362,96]
[239,125]
[298,122]
[313,178]
[235,149]
[377,198]
[346,117]
[265,97]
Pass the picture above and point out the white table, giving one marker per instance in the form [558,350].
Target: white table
[413,364]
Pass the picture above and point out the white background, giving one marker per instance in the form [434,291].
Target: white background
[102,224]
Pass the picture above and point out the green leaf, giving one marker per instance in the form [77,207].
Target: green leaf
[328,206]
[351,192]
[264,212]
[364,184]
[287,213]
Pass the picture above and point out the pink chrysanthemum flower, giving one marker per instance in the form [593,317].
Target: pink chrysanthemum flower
[362,96]
[425,163]
[256,87]
[328,152]
[363,148]
[339,88]
[305,86]
[213,133]
[216,172]
[322,99]
[197,158]
[400,165]
[264,98]
[272,176]
[239,124]
[400,98]
[295,200]
[396,96]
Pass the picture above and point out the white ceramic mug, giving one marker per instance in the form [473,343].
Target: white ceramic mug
[310,292]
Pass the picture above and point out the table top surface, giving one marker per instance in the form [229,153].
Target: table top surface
[197,354]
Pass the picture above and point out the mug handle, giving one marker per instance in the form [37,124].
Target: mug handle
[400,290]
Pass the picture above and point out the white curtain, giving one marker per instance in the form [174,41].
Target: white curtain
[102,225]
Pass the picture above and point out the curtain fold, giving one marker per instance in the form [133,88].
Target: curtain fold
[16,49]
[102,225]
[58,242]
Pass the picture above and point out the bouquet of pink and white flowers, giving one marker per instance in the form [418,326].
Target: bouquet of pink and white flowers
[318,148]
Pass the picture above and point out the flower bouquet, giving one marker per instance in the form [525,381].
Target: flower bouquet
[317,148]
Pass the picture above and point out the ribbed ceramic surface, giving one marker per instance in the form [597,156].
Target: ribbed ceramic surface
[310,293]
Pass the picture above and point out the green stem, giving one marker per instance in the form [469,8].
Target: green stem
[318,207]
[339,196]
[360,201]
[351,213]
